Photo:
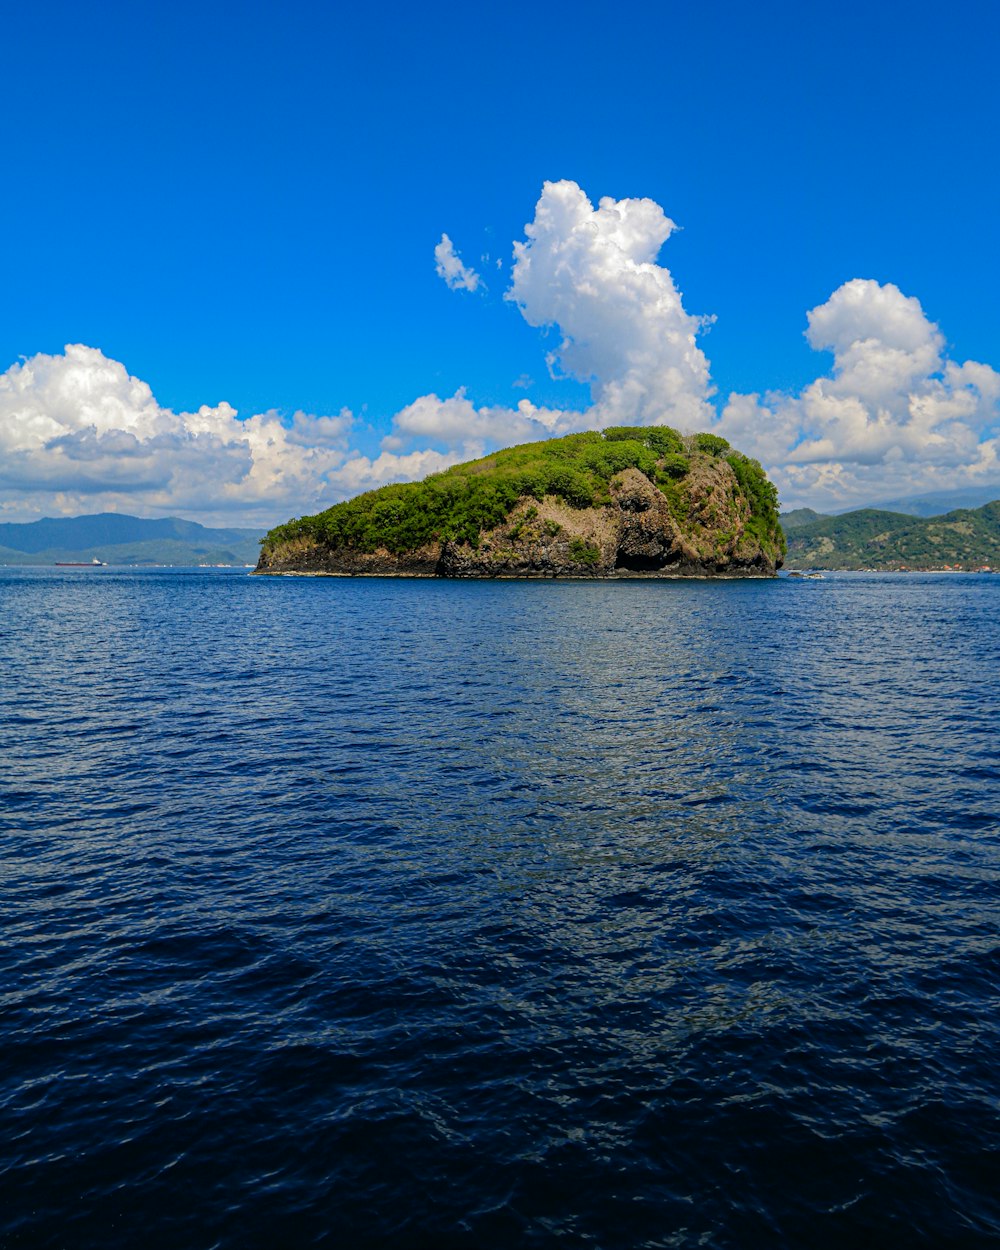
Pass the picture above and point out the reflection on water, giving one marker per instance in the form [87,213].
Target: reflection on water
[490,914]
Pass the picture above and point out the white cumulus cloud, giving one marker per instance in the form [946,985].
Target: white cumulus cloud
[79,434]
[894,416]
[458,424]
[450,267]
[593,274]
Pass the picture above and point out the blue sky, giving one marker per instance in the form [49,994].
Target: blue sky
[240,203]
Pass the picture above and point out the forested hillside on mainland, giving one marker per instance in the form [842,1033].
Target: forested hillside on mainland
[798,517]
[967,538]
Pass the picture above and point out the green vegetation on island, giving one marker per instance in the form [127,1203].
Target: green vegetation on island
[704,491]
[968,538]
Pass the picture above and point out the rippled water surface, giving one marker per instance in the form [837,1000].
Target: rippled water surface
[371,913]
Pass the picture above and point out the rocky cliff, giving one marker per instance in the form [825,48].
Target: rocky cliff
[631,502]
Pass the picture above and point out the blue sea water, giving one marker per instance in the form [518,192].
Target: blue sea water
[358,913]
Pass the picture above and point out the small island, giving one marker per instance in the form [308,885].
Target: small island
[629,501]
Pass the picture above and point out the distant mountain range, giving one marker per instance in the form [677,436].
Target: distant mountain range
[932,504]
[871,538]
[126,540]
[937,502]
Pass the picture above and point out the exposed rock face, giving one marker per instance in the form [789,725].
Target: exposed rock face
[640,533]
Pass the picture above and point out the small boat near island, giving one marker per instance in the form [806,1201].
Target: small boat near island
[81,564]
